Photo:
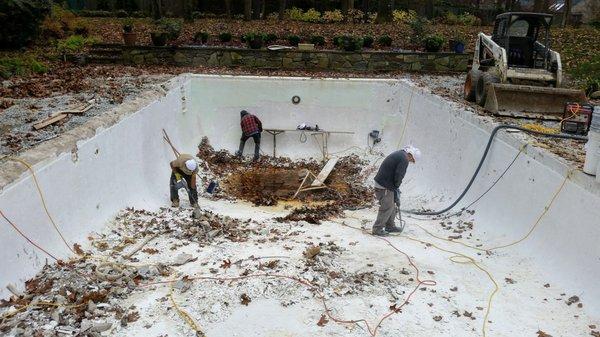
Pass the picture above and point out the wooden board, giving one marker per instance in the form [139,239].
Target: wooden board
[322,176]
[51,120]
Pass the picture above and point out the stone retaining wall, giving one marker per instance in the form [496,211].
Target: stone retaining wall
[288,59]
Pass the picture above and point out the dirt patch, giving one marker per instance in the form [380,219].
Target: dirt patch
[270,180]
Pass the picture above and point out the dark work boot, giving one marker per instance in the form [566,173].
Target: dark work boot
[380,232]
[393,229]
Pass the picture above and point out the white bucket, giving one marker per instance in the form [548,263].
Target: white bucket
[592,153]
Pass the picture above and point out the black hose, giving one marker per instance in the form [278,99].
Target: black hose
[485,153]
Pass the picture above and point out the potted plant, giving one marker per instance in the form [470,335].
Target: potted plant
[293,40]
[254,40]
[368,41]
[433,43]
[457,44]
[129,36]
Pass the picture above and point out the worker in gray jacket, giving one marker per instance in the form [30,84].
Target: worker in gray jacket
[387,188]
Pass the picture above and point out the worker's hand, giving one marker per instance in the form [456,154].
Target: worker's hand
[397,197]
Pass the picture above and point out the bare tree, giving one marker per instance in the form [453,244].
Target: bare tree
[228,9]
[156,9]
[256,7]
[567,12]
[247,10]
[282,5]
[384,11]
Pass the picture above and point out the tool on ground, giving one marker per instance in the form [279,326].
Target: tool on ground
[318,180]
[577,118]
[515,73]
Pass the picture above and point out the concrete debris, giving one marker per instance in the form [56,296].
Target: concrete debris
[183,259]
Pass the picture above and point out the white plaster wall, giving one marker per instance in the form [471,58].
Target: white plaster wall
[131,167]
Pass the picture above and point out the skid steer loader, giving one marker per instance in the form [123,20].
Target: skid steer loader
[514,74]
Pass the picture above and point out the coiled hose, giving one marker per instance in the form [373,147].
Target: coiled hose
[484,156]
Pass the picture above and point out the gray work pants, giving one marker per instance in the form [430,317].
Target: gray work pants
[387,209]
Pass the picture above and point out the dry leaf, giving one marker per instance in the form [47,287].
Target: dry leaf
[150,251]
[311,252]
[323,320]
[437,318]
[540,333]
[226,264]
[245,300]
[78,250]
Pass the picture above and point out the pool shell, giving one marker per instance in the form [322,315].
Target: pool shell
[120,160]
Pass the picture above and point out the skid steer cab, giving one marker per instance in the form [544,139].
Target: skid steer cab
[515,73]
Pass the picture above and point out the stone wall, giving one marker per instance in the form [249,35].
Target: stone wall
[286,59]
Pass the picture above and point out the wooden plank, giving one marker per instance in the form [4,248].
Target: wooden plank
[322,176]
[51,120]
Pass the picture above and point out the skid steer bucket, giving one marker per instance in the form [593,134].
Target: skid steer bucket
[530,101]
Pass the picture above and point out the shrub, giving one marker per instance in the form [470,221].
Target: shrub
[225,37]
[121,13]
[59,23]
[355,16]
[201,37]
[333,16]
[336,40]
[404,16]
[293,40]
[371,17]
[20,21]
[312,15]
[93,13]
[385,41]
[11,66]
[171,27]
[80,28]
[273,16]
[587,75]
[419,28]
[368,41]
[351,43]
[128,25]
[317,40]
[465,19]
[254,40]
[433,43]
[270,38]
[74,44]
[295,14]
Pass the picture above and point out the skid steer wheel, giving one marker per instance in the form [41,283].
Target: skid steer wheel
[482,87]
[471,84]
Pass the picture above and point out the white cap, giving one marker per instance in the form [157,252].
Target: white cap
[191,165]
[416,153]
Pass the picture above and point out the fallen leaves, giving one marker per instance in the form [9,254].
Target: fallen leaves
[572,300]
[150,251]
[78,250]
[226,264]
[509,280]
[323,320]
[311,252]
[540,333]
[245,299]
[437,318]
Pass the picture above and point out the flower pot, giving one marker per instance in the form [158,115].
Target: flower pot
[458,47]
[130,38]
[159,39]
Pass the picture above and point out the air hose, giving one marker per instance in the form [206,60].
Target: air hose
[484,156]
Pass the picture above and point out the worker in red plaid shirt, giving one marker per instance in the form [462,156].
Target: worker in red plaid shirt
[251,127]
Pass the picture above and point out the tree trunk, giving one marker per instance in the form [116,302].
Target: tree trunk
[263,9]
[567,12]
[156,9]
[365,5]
[345,6]
[256,7]
[350,4]
[429,8]
[188,8]
[228,9]
[282,4]
[538,6]
[384,11]
[247,10]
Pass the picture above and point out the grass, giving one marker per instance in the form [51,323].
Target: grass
[21,65]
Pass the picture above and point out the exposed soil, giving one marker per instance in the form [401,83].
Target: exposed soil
[269,180]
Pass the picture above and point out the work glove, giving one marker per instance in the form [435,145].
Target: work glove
[397,197]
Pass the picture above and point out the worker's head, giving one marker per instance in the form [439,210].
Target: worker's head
[413,153]
[191,165]
[243,113]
